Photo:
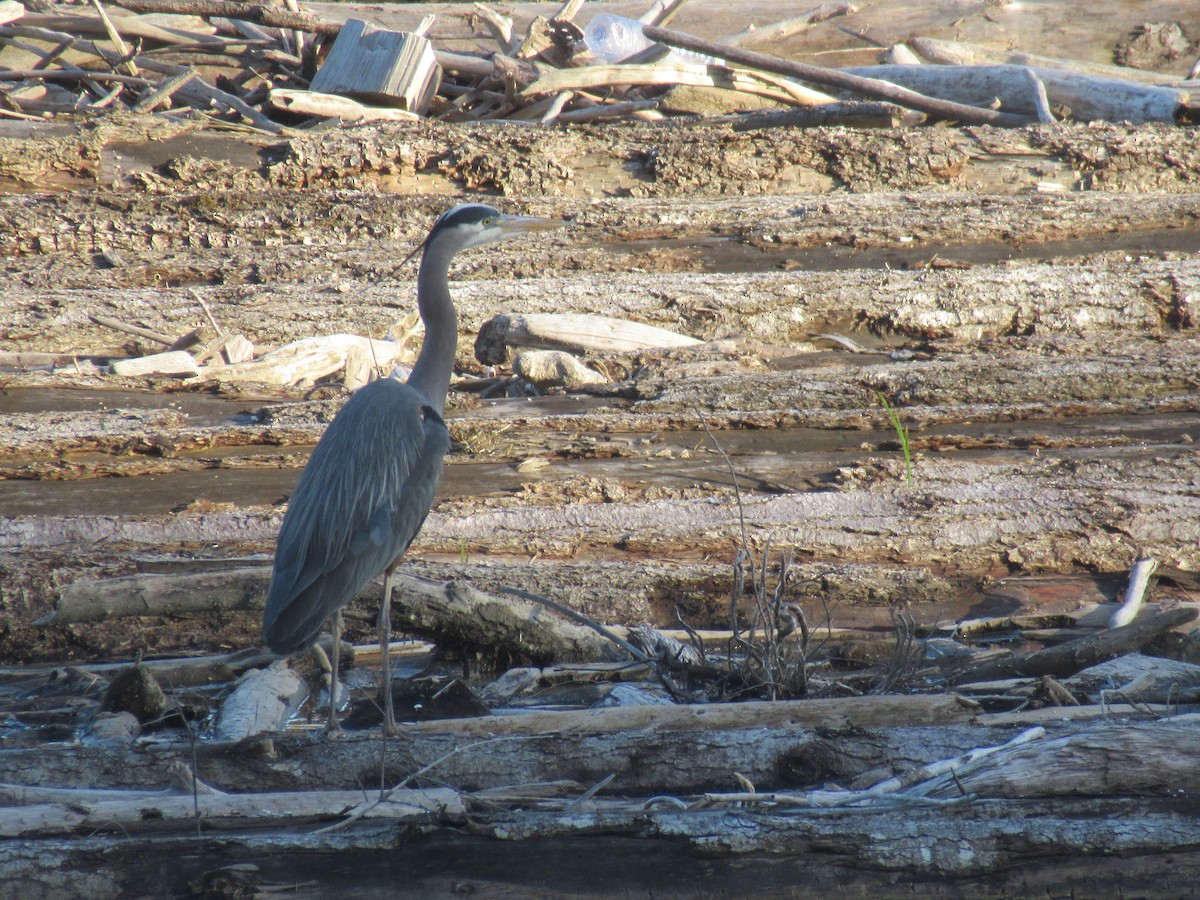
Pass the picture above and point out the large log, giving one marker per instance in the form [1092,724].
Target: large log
[773,745]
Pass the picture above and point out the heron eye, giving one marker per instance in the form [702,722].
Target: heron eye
[490,221]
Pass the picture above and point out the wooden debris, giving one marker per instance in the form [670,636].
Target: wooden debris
[384,67]
[263,700]
[332,106]
[554,368]
[1084,97]
[311,359]
[174,362]
[1069,658]
[572,332]
[1135,593]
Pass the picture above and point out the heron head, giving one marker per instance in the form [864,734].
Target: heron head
[475,224]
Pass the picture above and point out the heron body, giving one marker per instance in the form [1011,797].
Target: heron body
[370,482]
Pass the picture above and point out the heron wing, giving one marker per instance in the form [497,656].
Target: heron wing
[359,503]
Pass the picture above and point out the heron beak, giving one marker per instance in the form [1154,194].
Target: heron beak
[511,226]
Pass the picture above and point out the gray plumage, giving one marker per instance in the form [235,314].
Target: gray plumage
[370,482]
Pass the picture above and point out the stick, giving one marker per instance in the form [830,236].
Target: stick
[136,330]
[259,14]
[1135,594]
[788,27]
[115,37]
[967,115]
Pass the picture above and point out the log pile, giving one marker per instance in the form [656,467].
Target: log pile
[612,733]
[272,69]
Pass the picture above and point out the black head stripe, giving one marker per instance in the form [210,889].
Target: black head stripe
[465,214]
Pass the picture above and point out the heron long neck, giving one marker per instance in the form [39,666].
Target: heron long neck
[435,364]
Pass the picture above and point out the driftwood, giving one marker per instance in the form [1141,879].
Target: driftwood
[381,66]
[1086,97]
[173,362]
[572,332]
[263,700]
[332,106]
[453,611]
[1069,658]
[871,87]
[554,368]
[772,744]
[314,358]
[1135,593]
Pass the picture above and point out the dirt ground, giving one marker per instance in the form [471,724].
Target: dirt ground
[1026,300]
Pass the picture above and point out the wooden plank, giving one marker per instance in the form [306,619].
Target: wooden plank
[392,68]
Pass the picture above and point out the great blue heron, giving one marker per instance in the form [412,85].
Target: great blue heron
[369,484]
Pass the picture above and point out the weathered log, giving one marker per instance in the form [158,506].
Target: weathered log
[968,115]
[174,362]
[1069,658]
[1088,97]
[263,700]
[333,106]
[803,744]
[554,368]
[310,359]
[452,611]
[572,332]
[164,812]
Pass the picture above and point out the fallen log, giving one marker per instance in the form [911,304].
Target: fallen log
[798,744]
[1087,97]
[1067,659]
[572,332]
[263,700]
[451,611]
[871,87]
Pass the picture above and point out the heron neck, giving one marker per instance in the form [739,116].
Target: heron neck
[435,364]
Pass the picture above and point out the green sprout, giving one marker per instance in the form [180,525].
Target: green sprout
[902,433]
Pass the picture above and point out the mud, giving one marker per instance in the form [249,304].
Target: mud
[1027,301]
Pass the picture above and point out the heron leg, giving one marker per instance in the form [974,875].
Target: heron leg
[333,726]
[385,662]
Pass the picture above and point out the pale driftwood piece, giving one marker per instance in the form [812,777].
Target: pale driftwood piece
[572,332]
[810,745]
[900,55]
[1139,679]
[1135,593]
[962,53]
[388,67]
[334,106]
[263,700]
[270,16]
[672,72]
[173,362]
[1067,659]
[606,111]
[788,27]
[1088,97]
[1160,759]
[161,595]
[661,12]
[1062,715]
[881,711]
[446,610]
[168,811]
[115,36]
[499,25]
[554,368]
[314,358]
[10,11]
[871,87]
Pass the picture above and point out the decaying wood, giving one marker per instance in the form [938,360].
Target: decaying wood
[1069,658]
[1086,97]
[310,359]
[452,611]
[382,66]
[262,701]
[1135,593]
[333,106]
[554,368]
[772,744]
[173,362]
[968,115]
[500,335]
